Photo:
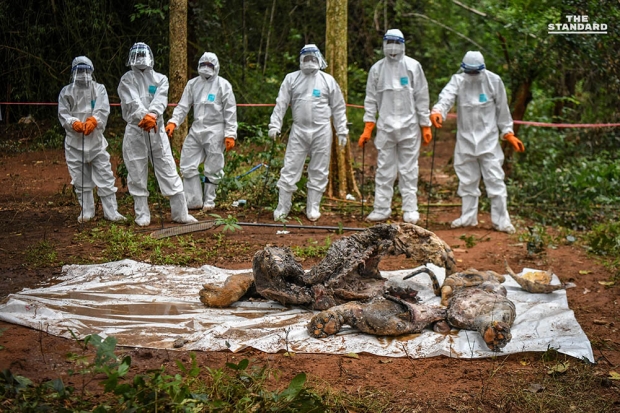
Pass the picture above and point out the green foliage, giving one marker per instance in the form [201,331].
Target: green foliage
[41,254]
[537,239]
[314,250]
[604,239]
[119,242]
[561,180]
[191,390]
[470,240]
[230,223]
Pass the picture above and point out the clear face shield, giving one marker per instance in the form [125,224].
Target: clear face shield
[140,56]
[473,64]
[206,69]
[82,75]
[311,59]
[393,46]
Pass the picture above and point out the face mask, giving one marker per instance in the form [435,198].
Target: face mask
[206,72]
[83,77]
[393,49]
[140,66]
[309,66]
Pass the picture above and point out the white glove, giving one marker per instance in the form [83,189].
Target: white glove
[273,133]
[342,140]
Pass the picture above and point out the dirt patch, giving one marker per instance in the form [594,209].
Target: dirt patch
[36,204]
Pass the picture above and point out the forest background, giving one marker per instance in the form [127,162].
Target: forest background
[568,177]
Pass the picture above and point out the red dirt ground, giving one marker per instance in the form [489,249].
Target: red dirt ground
[36,204]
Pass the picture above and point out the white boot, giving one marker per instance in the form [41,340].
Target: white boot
[87,202]
[284,205]
[379,215]
[209,199]
[193,192]
[141,207]
[178,206]
[313,204]
[110,208]
[469,213]
[499,215]
[411,217]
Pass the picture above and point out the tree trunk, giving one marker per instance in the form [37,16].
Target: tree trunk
[341,181]
[178,62]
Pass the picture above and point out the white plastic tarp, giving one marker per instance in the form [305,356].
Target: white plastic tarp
[145,305]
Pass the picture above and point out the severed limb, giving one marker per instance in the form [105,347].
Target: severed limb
[537,287]
[388,316]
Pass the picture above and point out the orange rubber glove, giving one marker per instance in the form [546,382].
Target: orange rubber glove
[148,122]
[436,120]
[78,126]
[366,135]
[229,143]
[427,136]
[515,142]
[90,125]
[170,129]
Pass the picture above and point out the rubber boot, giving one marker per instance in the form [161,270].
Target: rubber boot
[209,199]
[469,213]
[411,217]
[141,207]
[110,208]
[178,206]
[87,202]
[313,205]
[284,205]
[379,215]
[499,215]
[193,192]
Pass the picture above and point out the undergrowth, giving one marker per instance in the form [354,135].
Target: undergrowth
[233,388]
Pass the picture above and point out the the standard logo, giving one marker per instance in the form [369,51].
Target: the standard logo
[577,24]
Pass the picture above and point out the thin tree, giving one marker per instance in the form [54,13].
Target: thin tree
[341,179]
[178,62]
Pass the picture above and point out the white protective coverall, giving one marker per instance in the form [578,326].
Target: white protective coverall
[397,92]
[215,117]
[483,115]
[315,98]
[87,158]
[144,91]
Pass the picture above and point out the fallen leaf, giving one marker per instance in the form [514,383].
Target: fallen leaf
[459,260]
[535,388]
[559,368]
[614,376]
[352,355]
[585,291]
[385,361]
[524,363]
[289,354]
[599,322]
[584,272]
[607,283]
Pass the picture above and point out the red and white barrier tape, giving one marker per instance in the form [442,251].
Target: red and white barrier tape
[450,115]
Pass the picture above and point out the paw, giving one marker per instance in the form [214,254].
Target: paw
[325,323]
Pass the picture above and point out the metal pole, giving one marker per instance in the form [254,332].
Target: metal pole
[82,185]
[430,186]
[266,175]
[363,180]
[161,214]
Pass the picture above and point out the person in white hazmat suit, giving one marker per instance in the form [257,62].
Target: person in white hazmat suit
[315,99]
[396,91]
[214,128]
[144,97]
[483,116]
[83,110]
